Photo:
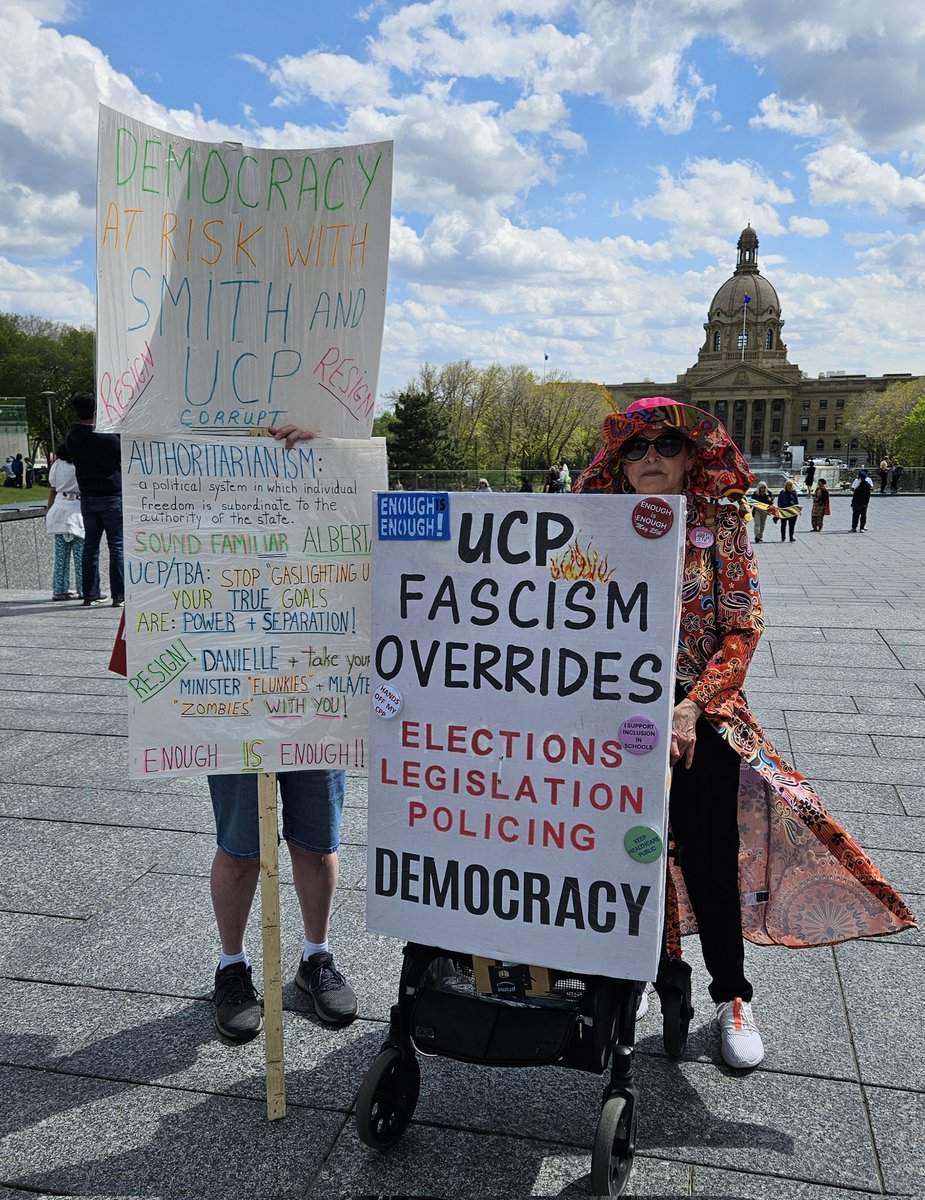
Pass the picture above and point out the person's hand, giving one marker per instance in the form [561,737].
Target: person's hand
[290,434]
[684,732]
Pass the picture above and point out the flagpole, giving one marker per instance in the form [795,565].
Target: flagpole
[746,301]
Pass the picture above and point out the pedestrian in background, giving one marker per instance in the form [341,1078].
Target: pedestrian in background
[884,472]
[821,506]
[761,499]
[64,521]
[861,488]
[810,475]
[788,498]
[896,473]
[97,458]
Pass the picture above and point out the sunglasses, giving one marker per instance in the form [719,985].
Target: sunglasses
[667,445]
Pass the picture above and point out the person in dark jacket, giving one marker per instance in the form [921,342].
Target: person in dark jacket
[97,459]
[861,488]
[788,498]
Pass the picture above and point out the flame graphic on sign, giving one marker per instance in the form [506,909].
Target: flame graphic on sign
[576,563]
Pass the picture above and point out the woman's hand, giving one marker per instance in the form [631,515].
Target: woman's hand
[683,732]
[290,434]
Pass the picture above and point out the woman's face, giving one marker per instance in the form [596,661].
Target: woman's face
[656,474]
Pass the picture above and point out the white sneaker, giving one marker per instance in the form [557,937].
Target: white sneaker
[741,1042]
[643,1006]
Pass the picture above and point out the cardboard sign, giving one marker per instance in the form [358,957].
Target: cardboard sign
[506,817]
[247,603]
[238,288]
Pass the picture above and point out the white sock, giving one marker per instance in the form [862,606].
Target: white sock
[310,948]
[227,959]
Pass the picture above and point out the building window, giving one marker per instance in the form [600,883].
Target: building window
[777,406]
[804,424]
[836,445]
[839,401]
[739,408]
[716,341]
[742,340]
[704,406]
[820,425]
[775,446]
[823,403]
[820,443]
[721,410]
[757,424]
[839,420]
[739,427]
[775,424]
[806,403]
[769,340]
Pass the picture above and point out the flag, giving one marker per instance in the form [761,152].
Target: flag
[545,358]
[746,299]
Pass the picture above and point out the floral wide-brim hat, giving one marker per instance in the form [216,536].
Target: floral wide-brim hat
[719,470]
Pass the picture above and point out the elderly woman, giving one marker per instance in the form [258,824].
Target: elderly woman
[822,507]
[761,502]
[755,852]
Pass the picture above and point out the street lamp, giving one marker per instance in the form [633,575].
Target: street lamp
[49,396]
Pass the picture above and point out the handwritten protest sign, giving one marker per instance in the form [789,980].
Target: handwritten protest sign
[523,684]
[247,605]
[237,287]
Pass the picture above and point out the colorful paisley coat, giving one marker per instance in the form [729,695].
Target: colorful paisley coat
[804,881]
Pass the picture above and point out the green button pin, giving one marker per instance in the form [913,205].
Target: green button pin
[643,844]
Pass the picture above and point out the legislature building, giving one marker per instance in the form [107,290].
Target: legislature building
[742,374]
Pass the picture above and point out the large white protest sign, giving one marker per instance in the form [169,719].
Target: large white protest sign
[247,603]
[523,684]
[238,288]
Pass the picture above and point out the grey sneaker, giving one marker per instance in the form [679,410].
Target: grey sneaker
[238,1014]
[334,999]
[95,601]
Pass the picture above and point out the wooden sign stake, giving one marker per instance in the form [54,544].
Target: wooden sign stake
[272,951]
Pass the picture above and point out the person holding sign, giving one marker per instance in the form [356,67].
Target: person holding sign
[755,851]
[313,803]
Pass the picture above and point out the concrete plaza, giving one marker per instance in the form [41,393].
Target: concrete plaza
[117,1085]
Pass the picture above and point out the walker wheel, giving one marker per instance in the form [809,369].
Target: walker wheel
[677,1011]
[387,1098]
[614,1147]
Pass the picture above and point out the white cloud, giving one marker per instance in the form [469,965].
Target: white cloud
[48,292]
[802,119]
[711,200]
[809,227]
[845,175]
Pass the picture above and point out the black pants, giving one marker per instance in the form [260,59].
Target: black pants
[703,811]
[859,517]
[785,524]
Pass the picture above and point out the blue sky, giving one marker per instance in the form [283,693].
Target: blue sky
[571,176]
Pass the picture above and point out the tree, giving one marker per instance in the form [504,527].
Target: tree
[37,356]
[417,438]
[876,419]
[910,444]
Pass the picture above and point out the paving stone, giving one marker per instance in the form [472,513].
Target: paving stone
[904,746]
[883,1023]
[186,811]
[849,767]
[843,796]
[127,1139]
[898,1118]
[878,832]
[869,723]
[858,744]
[913,800]
[729,1185]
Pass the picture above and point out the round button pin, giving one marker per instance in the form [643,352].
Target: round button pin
[642,844]
[638,735]
[702,537]
[387,702]
[652,517]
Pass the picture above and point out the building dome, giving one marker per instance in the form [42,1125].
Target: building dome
[744,321]
[729,301]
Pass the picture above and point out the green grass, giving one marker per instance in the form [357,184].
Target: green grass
[20,495]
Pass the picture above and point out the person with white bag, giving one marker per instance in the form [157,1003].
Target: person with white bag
[63,519]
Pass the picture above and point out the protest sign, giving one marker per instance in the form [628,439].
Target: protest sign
[238,288]
[247,603]
[522,670]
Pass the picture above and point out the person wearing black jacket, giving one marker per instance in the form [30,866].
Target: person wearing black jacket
[788,498]
[861,488]
[97,458]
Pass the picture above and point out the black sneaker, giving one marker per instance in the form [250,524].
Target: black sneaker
[238,1014]
[334,999]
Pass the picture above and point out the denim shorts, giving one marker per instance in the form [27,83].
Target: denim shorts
[312,805]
